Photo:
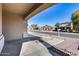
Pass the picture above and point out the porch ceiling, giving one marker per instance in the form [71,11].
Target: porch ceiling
[25,10]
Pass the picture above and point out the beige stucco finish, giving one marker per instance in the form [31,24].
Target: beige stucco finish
[13,23]
[18,8]
[13,26]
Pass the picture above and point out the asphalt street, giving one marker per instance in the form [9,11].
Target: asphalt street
[62,34]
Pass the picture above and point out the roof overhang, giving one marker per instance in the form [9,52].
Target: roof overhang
[25,10]
[39,9]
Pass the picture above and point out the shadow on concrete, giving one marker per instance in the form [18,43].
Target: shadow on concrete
[13,47]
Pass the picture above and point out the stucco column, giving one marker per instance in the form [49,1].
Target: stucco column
[13,26]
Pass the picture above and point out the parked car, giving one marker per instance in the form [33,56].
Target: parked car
[63,30]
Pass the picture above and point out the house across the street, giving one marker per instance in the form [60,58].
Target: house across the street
[64,27]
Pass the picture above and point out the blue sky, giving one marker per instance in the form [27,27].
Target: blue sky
[55,14]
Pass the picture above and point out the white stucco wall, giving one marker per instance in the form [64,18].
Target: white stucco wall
[1,43]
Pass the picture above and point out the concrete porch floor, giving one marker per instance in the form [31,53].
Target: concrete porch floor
[13,47]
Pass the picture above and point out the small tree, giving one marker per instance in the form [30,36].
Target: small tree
[75,21]
[35,26]
[57,26]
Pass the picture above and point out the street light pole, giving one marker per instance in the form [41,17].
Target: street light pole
[59,32]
